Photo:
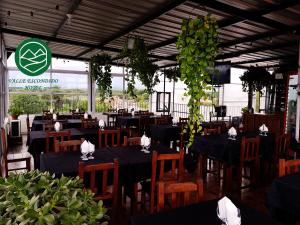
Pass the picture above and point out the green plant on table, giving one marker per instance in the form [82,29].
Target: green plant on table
[100,66]
[197,45]
[39,198]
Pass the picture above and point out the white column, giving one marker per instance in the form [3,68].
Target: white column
[123,103]
[91,95]
[298,99]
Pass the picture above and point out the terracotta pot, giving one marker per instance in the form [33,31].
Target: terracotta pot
[14,117]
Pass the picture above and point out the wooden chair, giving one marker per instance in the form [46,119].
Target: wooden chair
[175,174]
[163,120]
[12,158]
[183,120]
[114,135]
[105,193]
[249,159]
[61,136]
[282,146]
[132,141]
[288,166]
[212,131]
[89,123]
[77,115]
[182,194]
[47,116]
[66,146]
[121,111]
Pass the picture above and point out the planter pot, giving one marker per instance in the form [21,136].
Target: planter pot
[14,117]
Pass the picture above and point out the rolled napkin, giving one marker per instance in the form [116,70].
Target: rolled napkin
[263,128]
[91,147]
[77,110]
[232,132]
[147,141]
[57,126]
[84,147]
[85,116]
[228,212]
[51,110]
[132,112]
[241,126]
[54,116]
[101,124]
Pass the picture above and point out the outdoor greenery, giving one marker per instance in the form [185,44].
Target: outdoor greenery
[139,66]
[100,66]
[38,198]
[25,104]
[198,45]
[173,74]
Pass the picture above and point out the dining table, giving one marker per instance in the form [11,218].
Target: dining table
[38,125]
[202,213]
[165,133]
[283,198]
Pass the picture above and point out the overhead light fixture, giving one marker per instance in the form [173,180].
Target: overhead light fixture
[130,43]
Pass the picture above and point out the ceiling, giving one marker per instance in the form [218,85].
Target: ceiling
[252,32]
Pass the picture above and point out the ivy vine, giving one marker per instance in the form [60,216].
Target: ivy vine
[139,66]
[173,74]
[100,66]
[197,45]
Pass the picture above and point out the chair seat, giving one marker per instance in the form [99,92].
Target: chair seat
[18,156]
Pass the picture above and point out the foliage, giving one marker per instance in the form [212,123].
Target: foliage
[198,45]
[139,66]
[101,72]
[245,109]
[255,77]
[25,104]
[172,73]
[39,198]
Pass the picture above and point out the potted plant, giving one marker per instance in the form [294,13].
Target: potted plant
[39,198]
[139,65]
[15,111]
[197,45]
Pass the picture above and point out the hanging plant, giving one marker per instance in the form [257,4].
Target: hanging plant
[100,66]
[139,66]
[173,74]
[197,45]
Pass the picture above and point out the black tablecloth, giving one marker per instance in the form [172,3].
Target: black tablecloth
[69,123]
[165,133]
[59,116]
[128,121]
[201,214]
[135,165]
[224,149]
[284,196]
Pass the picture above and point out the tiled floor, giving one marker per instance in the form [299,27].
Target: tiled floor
[254,198]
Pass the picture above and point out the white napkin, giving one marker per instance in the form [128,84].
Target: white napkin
[86,116]
[232,131]
[228,212]
[241,125]
[85,147]
[51,110]
[91,147]
[263,128]
[54,116]
[132,113]
[77,110]
[101,124]
[57,126]
[143,140]
[147,141]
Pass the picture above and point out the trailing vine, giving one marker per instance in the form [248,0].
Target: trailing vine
[173,74]
[100,66]
[139,66]
[197,45]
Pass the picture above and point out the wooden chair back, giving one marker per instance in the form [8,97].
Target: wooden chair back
[105,168]
[77,115]
[159,172]
[163,120]
[66,146]
[183,120]
[212,131]
[60,136]
[47,116]
[132,141]
[4,146]
[89,123]
[282,145]
[180,194]
[249,150]
[121,111]
[288,166]
[113,135]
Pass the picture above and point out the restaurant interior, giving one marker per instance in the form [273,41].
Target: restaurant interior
[127,113]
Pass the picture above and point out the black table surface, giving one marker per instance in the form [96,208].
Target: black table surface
[68,123]
[284,194]
[165,133]
[224,149]
[135,165]
[132,120]
[202,213]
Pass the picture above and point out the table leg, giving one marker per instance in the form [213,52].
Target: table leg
[227,179]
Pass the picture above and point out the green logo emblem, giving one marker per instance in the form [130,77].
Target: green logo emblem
[33,57]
